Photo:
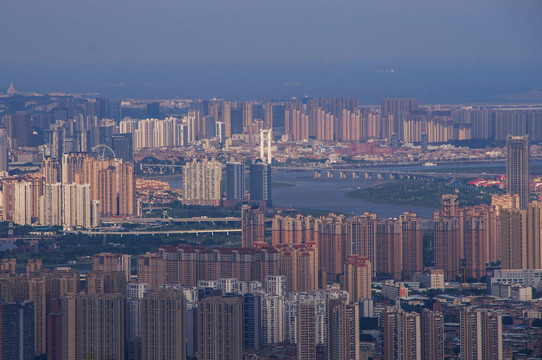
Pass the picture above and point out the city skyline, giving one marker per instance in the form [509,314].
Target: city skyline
[303,180]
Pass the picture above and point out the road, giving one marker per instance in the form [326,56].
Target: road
[156,232]
[167,220]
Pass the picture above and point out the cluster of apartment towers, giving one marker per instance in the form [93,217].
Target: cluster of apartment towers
[202,180]
[76,191]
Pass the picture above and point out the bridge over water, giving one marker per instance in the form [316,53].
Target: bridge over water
[372,174]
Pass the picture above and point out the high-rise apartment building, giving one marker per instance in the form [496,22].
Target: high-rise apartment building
[273,314]
[517,168]
[306,331]
[275,285]
[252,321]
[296,124]
[513,236]
[252,226]
[22,213]
[187,265]
[202,183]
[480,335]
[226,118]
[122,146]
[400,335]
[79,210]
[343,331]
[18,126]
[357,278]
[330,235]
[389,251]
[151,270]
[134,331]
[153,110]
[163,322]
[4,150]
[112,183]
[398,108]
[93,326]
[100,282]
[299,264]
[260,183]
[465,239]
[114,110]
[51,205]
[534,238]
[17,335]
[412,244]
[292,230]
[361,236]
[220,328]
[235,181]
[432,332]
[38,294]
[108,262]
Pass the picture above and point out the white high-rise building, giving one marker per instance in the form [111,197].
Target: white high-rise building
[134,298]
[51,205]
[202,183]
[229,286]
[77,206]
[69,205]
[128,126]
[220,131]
[275,285]
[191,127]
[266,139]
[154,133]
[22,209]
[320,300]
[272,319]
[182,134]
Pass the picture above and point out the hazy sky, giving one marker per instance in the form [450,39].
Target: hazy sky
[173,31]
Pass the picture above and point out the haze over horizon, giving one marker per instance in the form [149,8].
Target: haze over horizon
[487,51]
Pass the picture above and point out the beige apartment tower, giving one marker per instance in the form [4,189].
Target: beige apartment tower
[253,226]
[163,323]
[220,328]
[480,335]
[357,278]
[306,331]
[92,327]
[343,331]
[432,331]
[401,335]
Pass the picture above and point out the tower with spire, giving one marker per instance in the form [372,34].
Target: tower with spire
[12,90]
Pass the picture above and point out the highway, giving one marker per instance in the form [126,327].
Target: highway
[168,220]
[156,232]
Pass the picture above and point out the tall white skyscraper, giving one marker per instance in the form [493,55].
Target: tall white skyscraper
[266,140]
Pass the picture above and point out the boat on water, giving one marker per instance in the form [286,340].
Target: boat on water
[429,164]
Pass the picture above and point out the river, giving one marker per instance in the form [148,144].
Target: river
[330,194]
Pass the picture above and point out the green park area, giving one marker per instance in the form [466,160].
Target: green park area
[424,193]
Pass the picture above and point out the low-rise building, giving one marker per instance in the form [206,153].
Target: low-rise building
[392,290]
[432,279]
